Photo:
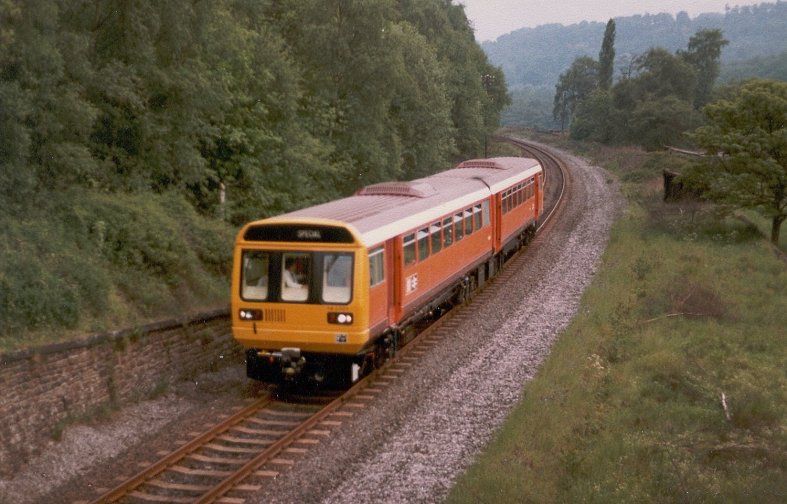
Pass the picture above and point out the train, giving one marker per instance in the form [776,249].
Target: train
[331,291]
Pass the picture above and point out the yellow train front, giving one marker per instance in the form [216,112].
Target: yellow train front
[300,292]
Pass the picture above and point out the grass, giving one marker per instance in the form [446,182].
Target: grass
[86,261]
[687,306]
[763,224]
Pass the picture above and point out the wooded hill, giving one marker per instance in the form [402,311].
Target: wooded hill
[121,120]
[537,56]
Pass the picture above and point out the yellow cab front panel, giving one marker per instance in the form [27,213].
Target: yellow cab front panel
[300,284]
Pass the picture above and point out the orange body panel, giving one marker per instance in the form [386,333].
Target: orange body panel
[432,273]
[381,219]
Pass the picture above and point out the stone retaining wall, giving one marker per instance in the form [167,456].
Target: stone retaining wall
[44,388]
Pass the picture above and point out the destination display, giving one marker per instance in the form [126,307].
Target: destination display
[291,233]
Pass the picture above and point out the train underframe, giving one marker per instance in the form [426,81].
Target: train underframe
[290,366]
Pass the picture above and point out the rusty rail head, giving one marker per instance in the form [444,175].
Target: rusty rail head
[127,486]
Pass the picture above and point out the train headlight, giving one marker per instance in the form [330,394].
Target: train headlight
[248,314]
[340,318]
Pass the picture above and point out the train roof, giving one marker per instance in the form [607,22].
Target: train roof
[381,211]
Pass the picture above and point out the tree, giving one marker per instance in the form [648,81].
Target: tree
[703,54]
[606,58]
[660,73]
[747,132]
[574,85]
[596,119]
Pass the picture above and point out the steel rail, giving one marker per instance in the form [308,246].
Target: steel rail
[276,448]
[161,465]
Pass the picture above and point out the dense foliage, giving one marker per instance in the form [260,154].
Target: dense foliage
[284,102]
[748,131]
[277,104]
[653,103]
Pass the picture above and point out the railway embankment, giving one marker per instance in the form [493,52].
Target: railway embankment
[48,387]
[669,385]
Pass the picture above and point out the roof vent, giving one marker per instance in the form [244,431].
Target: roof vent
[482,163]
[413,189]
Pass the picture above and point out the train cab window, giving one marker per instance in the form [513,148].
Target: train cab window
[485,213]
[448,232]
[458,234]
[423,244]
[337,278]
[409,249]
[468,221]
[295,274]
[256,273]
[376,267]
[437,239]
[477,217]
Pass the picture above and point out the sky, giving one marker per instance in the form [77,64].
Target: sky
[492,18]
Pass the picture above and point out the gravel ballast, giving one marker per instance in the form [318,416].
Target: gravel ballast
[426,428]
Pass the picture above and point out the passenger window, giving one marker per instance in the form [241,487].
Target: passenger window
[409,249]
[337,278]
[437,239]
[477,217]
[468,221]
[376,267]
[519,196]
[295,274]
[448,232]
[254,284]
[458,226]
[485,213]
[423,244]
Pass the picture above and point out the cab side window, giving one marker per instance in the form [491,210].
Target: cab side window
[409,249]
[376,266]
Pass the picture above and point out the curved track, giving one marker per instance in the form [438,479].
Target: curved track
[237,455]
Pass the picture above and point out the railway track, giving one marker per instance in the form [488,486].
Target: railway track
[235,457]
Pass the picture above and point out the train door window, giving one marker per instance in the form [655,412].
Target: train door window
[295,275]
[409,249]
[477,217]
[437,239]
[468,221]
[485,213]
[337,278]
[376,267]
[255,275]
[448,232]
[423,244]
[458,234]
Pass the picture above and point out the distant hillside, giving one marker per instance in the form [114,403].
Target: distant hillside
[537,56]
[766,67]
